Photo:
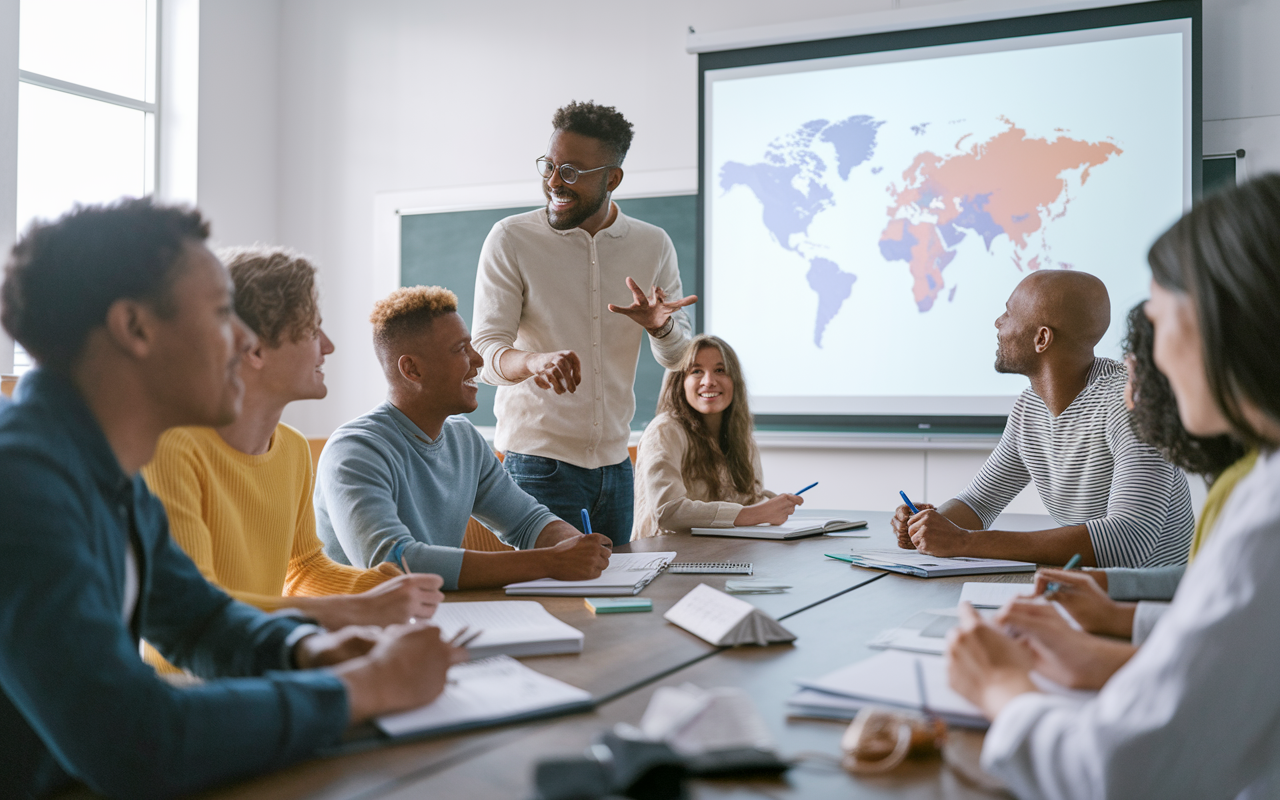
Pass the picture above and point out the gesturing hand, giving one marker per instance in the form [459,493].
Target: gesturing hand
[901,520]
[651,313]
[580,558]
[561,371]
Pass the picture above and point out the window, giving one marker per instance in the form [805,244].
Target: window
[86,107]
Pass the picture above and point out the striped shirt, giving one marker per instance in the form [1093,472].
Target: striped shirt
[1090,470]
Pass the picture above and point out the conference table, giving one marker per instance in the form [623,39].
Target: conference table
[833,608]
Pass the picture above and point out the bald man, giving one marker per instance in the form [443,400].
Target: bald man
[1116,501]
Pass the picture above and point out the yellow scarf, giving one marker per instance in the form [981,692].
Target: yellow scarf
[1217,498]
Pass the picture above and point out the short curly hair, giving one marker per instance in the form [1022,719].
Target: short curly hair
[407,311]
[275,292]
[598,122]
[63,276]
[1155,419]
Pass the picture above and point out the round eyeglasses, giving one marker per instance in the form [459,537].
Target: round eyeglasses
[568,172]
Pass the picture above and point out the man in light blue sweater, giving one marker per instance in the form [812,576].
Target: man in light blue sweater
[399,483]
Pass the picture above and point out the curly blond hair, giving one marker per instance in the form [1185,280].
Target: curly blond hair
[275,291]
[406,311]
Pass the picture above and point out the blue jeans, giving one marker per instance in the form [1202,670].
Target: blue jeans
[606,493]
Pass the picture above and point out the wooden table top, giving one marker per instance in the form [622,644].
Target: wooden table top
[834,609]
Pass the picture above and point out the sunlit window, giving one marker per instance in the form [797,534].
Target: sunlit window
[86,107]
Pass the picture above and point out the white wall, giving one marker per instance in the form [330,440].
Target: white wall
[239,101]
[402,95]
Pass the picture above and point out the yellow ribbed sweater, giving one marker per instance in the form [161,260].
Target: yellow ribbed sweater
[247,521]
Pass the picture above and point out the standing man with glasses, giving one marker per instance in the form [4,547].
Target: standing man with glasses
[559,315]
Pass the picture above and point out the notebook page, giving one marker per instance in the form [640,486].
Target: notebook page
[709,614]
[503,622]
[478,691]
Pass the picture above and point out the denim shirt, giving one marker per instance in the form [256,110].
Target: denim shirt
[76,700]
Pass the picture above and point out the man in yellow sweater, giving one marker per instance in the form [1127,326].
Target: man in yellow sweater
[239,496]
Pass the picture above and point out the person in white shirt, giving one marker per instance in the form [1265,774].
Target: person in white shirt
[1195,712]
[559,317]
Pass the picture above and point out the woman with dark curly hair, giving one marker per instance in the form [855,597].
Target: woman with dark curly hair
[1221,460]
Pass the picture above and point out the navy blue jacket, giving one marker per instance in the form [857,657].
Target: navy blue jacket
[76,700]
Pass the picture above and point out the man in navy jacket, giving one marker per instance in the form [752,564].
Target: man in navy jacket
[129,318]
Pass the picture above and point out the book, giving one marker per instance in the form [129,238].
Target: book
[626,574]
[508,627]
[787,530]
[725,621]
[886,679]
[911,562]
[491,691]
[994,595]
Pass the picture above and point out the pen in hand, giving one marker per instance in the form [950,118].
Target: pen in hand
[910,504]
[1053,587]
[807,488]
[586,526]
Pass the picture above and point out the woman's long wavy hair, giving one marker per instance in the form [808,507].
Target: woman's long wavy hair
[1154,418]
[735,450]
[1225,255]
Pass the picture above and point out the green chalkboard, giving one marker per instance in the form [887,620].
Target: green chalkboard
[443,249]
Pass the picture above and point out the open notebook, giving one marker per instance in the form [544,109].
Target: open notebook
[794,529]
[626,574]
[510,627]
[494,691]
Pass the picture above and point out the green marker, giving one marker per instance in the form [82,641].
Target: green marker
[618,605]
[1053,586]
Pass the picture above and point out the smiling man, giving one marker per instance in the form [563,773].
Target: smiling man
[559,316]
[1116,501]
[399,483]
[238,496]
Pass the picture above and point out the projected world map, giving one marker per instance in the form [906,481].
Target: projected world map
[1009,184]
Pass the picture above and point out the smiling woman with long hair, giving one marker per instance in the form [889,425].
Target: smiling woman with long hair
[698,465]
[1195,712]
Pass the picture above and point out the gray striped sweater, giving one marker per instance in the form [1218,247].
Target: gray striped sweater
[1090,469]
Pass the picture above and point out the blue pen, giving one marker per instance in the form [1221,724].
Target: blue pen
[910,504]
[586,522]
[807,488]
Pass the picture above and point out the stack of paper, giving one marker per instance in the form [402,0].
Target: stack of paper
[725,621]
[887,679]
[510,627]
[490,692]
[911,562]
[793,529]
[923,632]
[626,574]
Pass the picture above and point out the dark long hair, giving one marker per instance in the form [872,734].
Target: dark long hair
[1225,255]
[1154,418]
[736,447]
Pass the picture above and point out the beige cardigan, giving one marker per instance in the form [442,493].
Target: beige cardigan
[664,503]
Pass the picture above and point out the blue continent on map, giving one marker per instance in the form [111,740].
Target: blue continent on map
[792,187]
[833,287]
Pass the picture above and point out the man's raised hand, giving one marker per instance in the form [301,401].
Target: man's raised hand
[651,313]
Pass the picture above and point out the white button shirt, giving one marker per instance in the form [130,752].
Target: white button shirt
[1196,712]
[541,290]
